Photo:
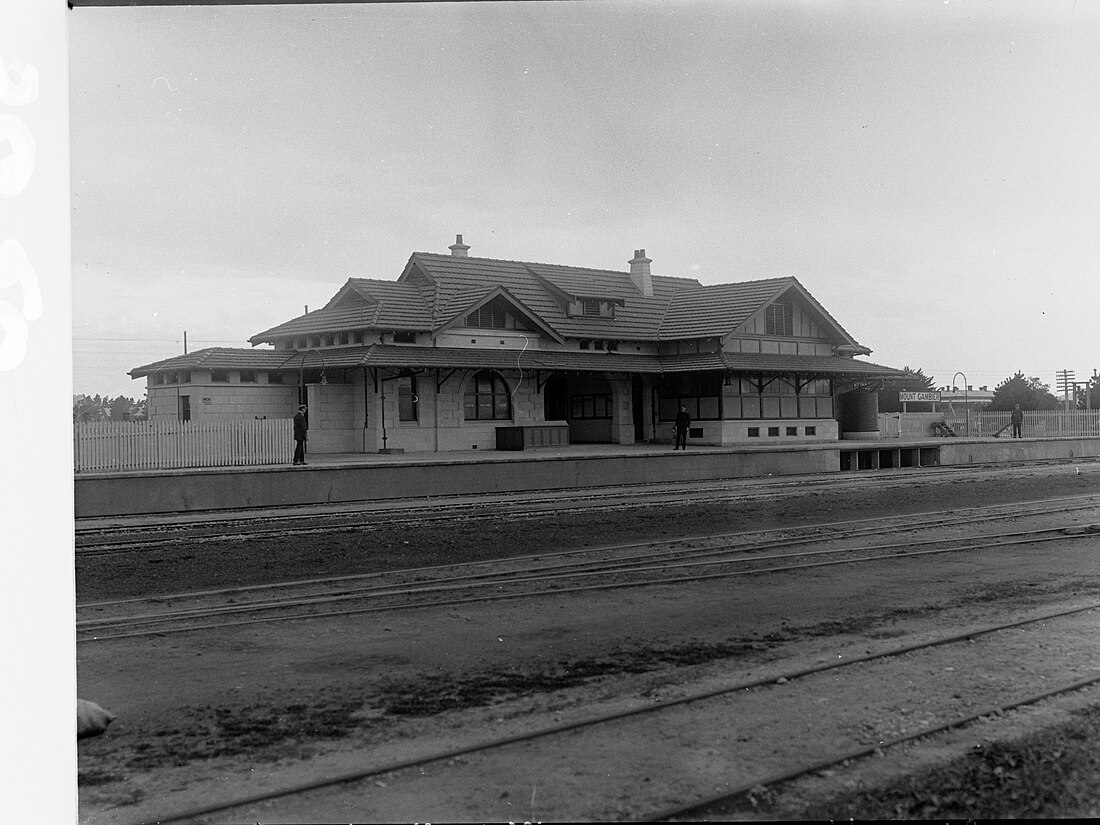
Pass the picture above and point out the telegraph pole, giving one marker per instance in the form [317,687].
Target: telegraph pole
[1065,384]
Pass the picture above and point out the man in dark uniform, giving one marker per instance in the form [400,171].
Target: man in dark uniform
[683,421]
[1017,421]
[300,427]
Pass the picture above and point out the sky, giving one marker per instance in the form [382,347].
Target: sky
[929,171]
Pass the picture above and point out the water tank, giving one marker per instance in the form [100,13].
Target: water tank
[859,415]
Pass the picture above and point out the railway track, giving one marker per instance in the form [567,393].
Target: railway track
[146,533]
[571,756]
[646,564]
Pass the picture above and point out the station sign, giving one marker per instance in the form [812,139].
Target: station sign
[918,396]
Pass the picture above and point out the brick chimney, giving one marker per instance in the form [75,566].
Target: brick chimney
[639,273]
[458,248]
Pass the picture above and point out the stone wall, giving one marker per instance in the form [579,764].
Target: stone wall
[224,402]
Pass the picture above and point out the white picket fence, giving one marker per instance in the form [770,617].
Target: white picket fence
[103,446]
[1037,424]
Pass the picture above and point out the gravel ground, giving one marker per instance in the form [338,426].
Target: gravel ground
[207,716]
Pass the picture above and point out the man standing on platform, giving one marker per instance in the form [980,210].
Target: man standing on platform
[300,427]
[683,421]
[1017,421]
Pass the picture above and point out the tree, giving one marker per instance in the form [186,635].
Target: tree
[120,408]
[1029,393]
[101,408]
[89,408]
[909,381]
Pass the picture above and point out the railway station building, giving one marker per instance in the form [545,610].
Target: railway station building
[461,352]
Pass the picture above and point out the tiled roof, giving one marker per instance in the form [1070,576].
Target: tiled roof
[383,355]
[362,303]
[718,309]
[400,306]
[218,358]
[418,357]
[822,364]
[436,289]
[348,315]
[638,319]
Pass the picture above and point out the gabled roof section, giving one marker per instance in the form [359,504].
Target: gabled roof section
[829,319]
[540,288]
[400,306]
[361,303]
[434,290]
[463,303]
[718,309]
[721,309]
[218,358]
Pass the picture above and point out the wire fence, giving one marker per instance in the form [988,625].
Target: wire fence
[105,446]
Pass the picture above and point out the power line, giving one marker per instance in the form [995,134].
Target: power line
[162,340]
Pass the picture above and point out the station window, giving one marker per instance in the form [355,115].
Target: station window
[590,406]
[792,430]
[404,337]
[811,431]
[170,378]
[487,398]
[778,386]
[698,391]
[773,431]
[357,338]
[343,338]
[248,376]
[185,378]
[612,346]
[585,344]
[221,376]
[754,432]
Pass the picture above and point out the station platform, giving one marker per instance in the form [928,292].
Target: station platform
[349,477]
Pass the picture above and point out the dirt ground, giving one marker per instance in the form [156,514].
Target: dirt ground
[217,715]
[253,561]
